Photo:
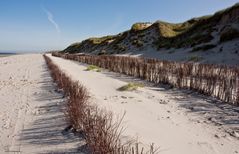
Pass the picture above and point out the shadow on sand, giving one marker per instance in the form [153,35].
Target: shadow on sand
[213,110]
[47,130]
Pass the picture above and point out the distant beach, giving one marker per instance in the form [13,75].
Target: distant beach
[6,54]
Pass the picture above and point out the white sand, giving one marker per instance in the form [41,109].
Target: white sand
[31,120]
[177,122]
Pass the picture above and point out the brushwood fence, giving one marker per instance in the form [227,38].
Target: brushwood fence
[218,81]
[102,133]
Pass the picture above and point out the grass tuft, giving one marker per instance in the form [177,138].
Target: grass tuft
[229,34]
[93,68]
[131,87]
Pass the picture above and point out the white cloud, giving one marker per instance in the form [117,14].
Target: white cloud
[52,21]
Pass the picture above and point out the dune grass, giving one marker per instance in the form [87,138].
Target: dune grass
[131,87]
[229,34]
[93,68]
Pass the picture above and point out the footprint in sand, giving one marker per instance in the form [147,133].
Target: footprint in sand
[6,125]
[124,97]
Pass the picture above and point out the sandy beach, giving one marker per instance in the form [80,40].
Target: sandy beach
[119,77]
[32,118]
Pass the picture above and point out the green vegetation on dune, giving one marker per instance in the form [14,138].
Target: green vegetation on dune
[196,33]
[169,30]
[229,34]
[226,11]
[140,26]
[93,43]
[98,40]
[137,43]
[73,48]
[188,34]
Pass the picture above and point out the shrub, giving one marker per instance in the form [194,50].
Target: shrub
[229,34]
[119,47]
[141,35]
[131,86]
[93,68]
[137,43]
[139,26]
[102,52]
[204,47]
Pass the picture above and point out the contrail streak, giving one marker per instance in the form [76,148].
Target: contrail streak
[52,21]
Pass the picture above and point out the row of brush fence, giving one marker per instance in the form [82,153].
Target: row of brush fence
[101,132]
[218,81]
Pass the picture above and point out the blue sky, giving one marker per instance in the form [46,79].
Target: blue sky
[36,25]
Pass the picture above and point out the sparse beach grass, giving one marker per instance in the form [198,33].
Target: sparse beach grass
[93,68]
[131,87]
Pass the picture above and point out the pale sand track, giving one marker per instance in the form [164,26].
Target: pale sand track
[31,120]
[176,121]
